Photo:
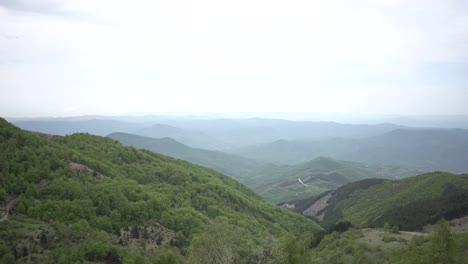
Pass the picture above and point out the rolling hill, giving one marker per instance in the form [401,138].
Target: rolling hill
[193,139]
[276,183]
[215,134]
[240,168]
[87,198]
[409,203]
[420,149]
[237,133]
[319,175]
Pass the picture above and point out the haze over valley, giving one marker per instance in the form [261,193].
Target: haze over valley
[233,132]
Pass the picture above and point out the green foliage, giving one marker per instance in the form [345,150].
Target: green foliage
[135,258]
[443,244]
[3,194]
[167,258]
[320,175]
[408,204]
[387,238]
[220,243]
[364,246]
[83,187]
[240,168]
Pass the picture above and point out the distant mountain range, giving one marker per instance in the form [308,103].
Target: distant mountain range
[194,139]
[218,134]
[236,133]
[92,126]
[421,149]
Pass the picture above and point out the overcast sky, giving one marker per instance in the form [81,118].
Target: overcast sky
[74,57]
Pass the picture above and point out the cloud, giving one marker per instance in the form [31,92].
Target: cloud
[173,54]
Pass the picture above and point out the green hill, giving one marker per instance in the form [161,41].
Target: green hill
[240,168]
[87,198]
[276,183]
[408,203]
[320,175]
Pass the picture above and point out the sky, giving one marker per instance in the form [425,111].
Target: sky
[87,57]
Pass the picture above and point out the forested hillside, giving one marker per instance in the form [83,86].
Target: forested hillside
[240,168]
[319,175]
[88,198]
[276,183]
[408,203]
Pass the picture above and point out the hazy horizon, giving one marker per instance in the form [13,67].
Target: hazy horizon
[365,58]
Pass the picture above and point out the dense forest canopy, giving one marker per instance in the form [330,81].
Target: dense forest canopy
[82,184]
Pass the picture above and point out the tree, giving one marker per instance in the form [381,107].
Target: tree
[219,243]
[386,226]
[21,208]
[167,258]
[443,244]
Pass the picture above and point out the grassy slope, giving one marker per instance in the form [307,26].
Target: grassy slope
[92,210]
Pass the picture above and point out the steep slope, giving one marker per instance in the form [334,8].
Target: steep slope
[88,198]
[321,174]
[423,149]
[240,168]
[408,203]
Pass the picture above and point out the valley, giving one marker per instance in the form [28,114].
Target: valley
[233,132]
[144,201]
